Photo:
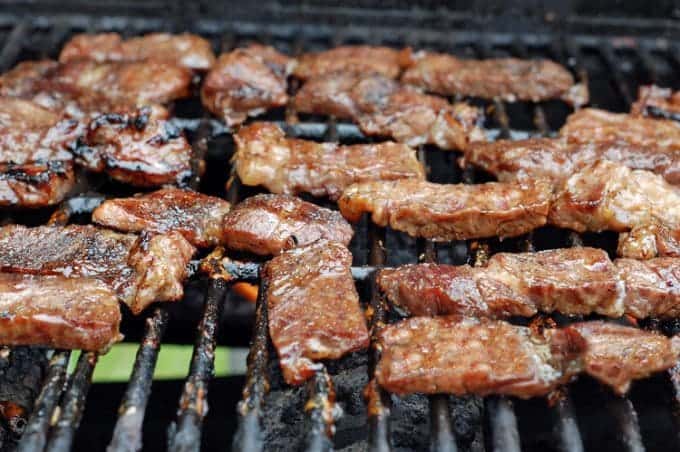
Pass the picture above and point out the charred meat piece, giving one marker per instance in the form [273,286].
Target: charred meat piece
[58,312]
[313,306]
[450,212]
[35,184]
[187,50]
[652,287]
[657,102]
[270,224]
[140,270]
[196,216]
[359,59]
[509,79]
[246,82]
[264,156]
[649,241]
[461,356]
[138,149]
[571,281]
[383,107]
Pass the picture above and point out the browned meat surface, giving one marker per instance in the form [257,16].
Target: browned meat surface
[246,82]
[461,356]
[383,107]
[510,79]
[609,196]
[556,158]
[270,224]
[450,212]
[58,312]
[572,281]
[652,286]
[359,59]
[141,270]
[314,311]
[196,216]
[264,156]
[138,149]
[657,102]
[35,184]
[616,354]
[187,50]
[648,241]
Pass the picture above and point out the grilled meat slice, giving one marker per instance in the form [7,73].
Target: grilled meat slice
[510,79]
[246,82]
[657,102]
[359,59]
[648,241]
[196,216]
[140,270]
[652,287]
[139,149]
[264,156]
[383,107]
[270,224]
[450,212]
[462,356]
[609,196]
[35,184]
[58,312]
[187,50]
[313,308]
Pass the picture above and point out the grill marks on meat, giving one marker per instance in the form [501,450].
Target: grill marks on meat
[657,102]
[246,82]
[58,312]
[509,79]
[383,107]
[187,50]
[465,356]
[450,212]
[270,224]
[264,156]
[313,306]
[35,184]
[140,270]
[358,59]
[196,216]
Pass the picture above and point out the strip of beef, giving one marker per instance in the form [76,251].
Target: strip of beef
[264,156]
[609,196]
[359,59]
[657,102]
[58,312]
[140,270]
[269,224]
[196,216]
[465,356]
[246,82]
[510,79]
[313,306]
[187,50]
[557,158]
[572,281]
[35,184]
[450,212]
[383,107]
[652,287]
[140,149]
[649,241]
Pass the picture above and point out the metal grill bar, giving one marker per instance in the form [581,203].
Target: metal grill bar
[13,45]
[607,53]
[627,418]
[503,422]
[320,409]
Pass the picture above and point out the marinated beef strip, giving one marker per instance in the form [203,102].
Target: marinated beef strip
[58,312]
[657,102]
[572,281]
[36,167]
[141,149]
[270,224]
[509,79]
[359,59]
[264,156]
[186,50]
[196,216]
[139,269]
[246,82]
[313,307]
[384,107]
[649,241]
[450,212]
[463,356]
[652,287]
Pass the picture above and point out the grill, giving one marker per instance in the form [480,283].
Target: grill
[613,55]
